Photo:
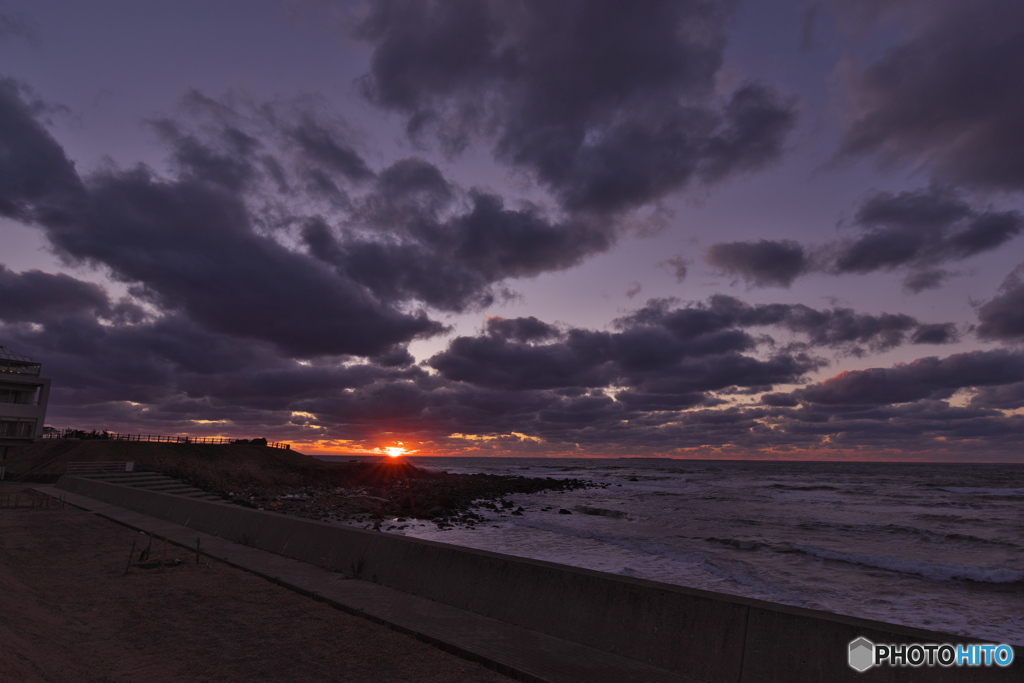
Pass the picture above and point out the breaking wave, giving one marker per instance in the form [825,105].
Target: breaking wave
[936,571]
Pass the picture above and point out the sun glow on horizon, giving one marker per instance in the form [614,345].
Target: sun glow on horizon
[395,451]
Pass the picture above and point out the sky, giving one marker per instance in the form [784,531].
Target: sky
[682,228]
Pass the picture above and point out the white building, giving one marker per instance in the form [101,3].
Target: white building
[23,397]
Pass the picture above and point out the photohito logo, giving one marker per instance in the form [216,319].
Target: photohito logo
[863,654]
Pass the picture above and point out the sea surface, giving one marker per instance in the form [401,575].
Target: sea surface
[936,546]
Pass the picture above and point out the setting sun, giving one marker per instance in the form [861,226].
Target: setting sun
[395,451]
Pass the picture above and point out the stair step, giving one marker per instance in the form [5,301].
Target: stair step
[130,479]
[152,481]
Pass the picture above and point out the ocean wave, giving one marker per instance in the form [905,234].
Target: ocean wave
[821,487]
[978,539]
[923,534]
[936,571]
[637,544]
[601,512]
[986,492]
[735,543]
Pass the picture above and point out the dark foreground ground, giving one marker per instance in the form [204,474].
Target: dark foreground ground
[70,613]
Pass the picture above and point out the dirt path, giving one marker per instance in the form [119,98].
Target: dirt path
[68,612]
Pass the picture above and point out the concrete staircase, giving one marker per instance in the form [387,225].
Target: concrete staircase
[151,481]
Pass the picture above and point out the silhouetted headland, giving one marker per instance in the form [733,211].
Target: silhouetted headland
[288,481]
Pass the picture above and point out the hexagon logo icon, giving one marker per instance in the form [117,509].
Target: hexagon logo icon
[862,654]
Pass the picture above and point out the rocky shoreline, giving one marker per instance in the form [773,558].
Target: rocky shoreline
[369,494]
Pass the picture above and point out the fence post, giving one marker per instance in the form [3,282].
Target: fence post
[69,433]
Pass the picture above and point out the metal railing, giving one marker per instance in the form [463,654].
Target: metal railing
[100,467]
[114,436]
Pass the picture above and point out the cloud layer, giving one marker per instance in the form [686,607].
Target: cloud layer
[917,232]
[278,266]
[610,105]
[946,96]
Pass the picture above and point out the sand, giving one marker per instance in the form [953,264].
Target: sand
[68,612]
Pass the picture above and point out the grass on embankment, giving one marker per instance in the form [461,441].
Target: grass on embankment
[288,481]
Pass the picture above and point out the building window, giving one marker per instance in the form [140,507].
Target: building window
[13,428]
[19,394]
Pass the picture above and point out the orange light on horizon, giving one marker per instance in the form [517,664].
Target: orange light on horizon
[395,451]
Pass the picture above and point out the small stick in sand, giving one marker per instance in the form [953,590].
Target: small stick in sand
[144,555]
[130,553]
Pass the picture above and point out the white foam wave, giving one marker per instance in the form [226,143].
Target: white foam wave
[987,492]
[937,571]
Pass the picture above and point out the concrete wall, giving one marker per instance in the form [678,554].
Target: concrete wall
[709,636]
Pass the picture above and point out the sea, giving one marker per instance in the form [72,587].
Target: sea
[935,546]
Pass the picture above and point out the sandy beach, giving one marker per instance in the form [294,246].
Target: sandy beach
[70,613]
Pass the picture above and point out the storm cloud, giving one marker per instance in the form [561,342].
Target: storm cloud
[916,231]
[198,243]
[835,328]
[921,229]
[925,378]
[568,92]
[33,296]
[389,259]
[1002,317]
[763,263]
[452,264]
[36,178]
[946,96]
[666,355]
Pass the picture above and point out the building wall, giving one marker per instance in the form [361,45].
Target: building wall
[23,401]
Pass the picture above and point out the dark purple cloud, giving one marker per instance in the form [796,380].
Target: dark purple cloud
[232,305]
[521,329]
[277,270]
[34,296]
[602,390]
[328,150]
[452,264]
[405,234]
[191,244]
[193,248]
[226,161]
[947,95]
[920,280]
[582,359]
[1002,317]
[916,231]
[1004,397]
[182,373]
[678,266]
[938,333]
[407,191]
[921,229]
[763,263]
[925,378]
[36,178]
[906,408]
[201,242]
[667,356]
[610,104]
[835,327]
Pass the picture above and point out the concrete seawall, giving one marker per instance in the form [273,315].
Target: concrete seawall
[707,636]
